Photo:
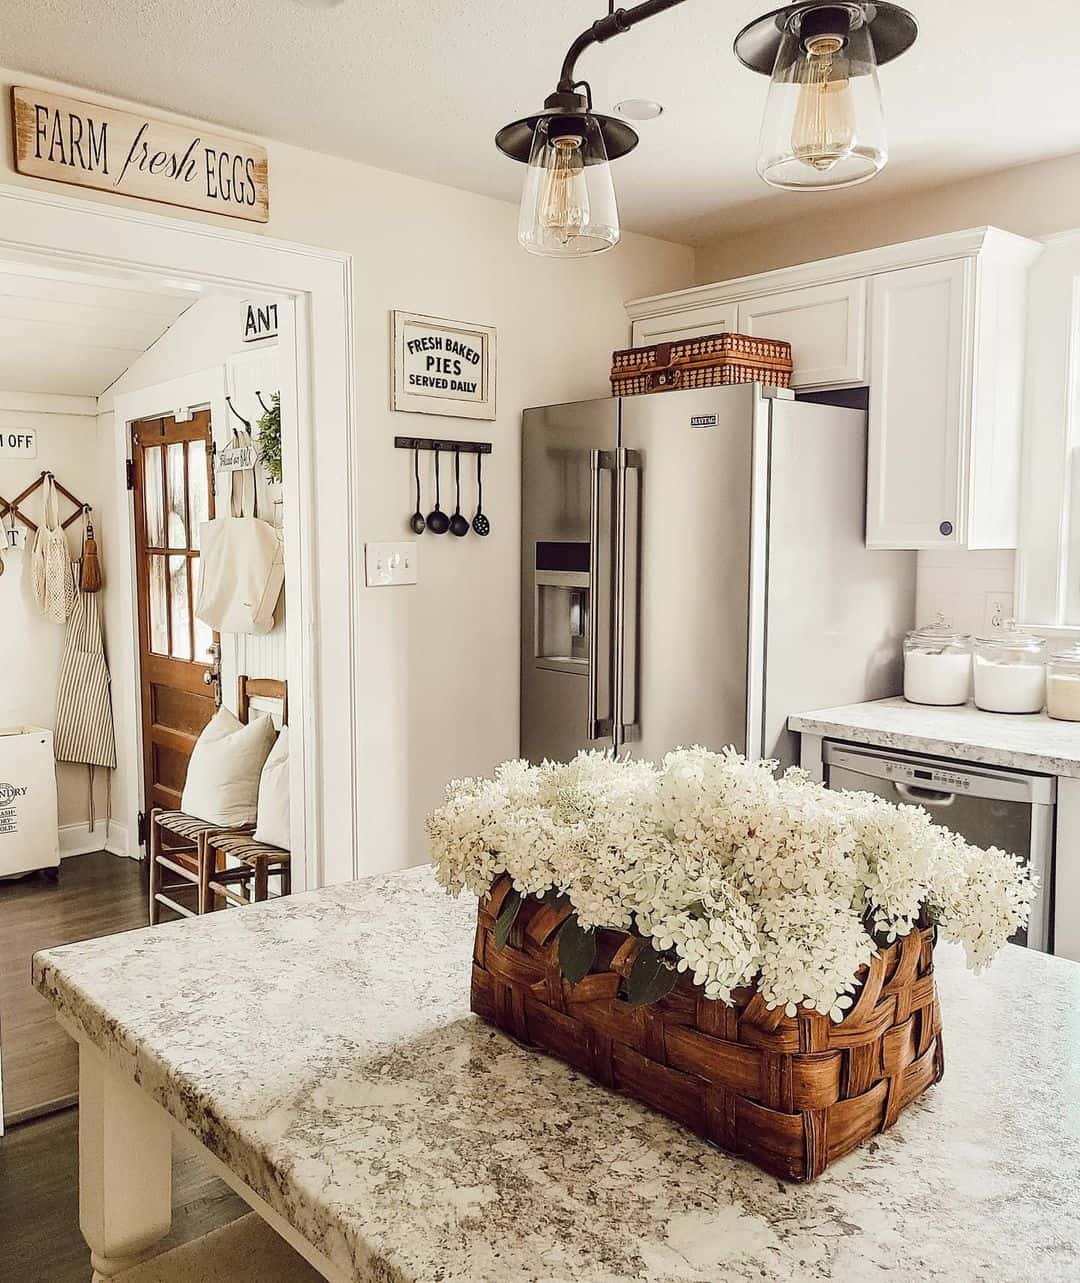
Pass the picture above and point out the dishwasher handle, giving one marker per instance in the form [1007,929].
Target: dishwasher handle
[918,796]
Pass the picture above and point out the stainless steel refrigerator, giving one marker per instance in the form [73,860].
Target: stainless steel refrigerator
[694,571]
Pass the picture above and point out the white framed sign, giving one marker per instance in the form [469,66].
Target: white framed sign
[442,367]
[18,443]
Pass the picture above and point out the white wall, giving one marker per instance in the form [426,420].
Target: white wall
[437,675]
[32,646]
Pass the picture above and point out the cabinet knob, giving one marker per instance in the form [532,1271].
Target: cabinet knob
[946,527]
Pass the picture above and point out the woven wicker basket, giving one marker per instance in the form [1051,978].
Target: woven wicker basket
[713,360]
[788,1093]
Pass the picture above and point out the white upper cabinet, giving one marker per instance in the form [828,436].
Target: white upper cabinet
[693,323]
[919,403]
[936,329]
[825,325]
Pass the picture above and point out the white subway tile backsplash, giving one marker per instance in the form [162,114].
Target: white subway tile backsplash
[957,583]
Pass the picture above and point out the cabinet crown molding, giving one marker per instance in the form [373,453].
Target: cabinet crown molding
[971,243]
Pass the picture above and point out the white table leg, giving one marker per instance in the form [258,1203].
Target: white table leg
[125,1167]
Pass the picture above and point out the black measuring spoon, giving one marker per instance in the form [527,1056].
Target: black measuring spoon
[437,520]
[458,525]
[417,524]
[480,523]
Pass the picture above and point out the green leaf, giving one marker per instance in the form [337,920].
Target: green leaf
[577,950]
[651,977]
[511,907]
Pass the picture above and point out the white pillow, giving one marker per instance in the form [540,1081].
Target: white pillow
[223,775]
[273,824]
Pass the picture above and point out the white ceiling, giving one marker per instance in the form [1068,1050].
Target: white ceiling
[74,335]
[420,86]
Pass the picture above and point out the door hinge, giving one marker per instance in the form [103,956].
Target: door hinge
[131,474]
[142,834]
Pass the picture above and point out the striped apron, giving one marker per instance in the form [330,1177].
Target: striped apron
[84,723]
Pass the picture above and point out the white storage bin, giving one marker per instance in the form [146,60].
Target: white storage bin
[29,832]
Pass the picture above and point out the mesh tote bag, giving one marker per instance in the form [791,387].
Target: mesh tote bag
[242,564]
[50,570]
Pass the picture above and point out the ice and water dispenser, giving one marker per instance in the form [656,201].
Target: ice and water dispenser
[561,606]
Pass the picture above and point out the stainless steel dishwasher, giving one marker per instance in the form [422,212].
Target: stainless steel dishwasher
[986,805]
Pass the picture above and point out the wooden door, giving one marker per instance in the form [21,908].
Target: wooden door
[172,476]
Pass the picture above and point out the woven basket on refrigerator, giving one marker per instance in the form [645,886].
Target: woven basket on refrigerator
[791,1094]
[714,360]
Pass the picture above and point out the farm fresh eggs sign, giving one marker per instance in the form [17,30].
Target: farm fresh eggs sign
[136,155]
[443,367]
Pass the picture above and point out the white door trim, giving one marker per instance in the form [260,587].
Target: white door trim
[319,509]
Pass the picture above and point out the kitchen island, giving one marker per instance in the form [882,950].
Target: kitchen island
[321,1050]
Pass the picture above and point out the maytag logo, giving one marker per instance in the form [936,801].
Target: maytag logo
[9,792]
[703,420]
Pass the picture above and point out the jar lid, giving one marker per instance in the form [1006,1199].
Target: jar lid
[941,630]
[1013,638]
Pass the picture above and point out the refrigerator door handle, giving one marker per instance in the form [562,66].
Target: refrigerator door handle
[601,605]
[627,596]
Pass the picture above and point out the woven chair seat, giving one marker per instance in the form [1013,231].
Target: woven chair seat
[188,826]
[244,847]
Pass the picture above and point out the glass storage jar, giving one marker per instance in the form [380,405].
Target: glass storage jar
[937,664]
[1010,671]
[1063,684]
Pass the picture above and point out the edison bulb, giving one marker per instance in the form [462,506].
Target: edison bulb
[564,208]
[824,127]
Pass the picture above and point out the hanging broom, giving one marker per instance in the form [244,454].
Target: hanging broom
[90,577]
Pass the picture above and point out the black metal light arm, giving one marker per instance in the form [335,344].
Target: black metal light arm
[612,24]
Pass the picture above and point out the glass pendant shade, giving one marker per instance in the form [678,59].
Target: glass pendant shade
[568,206]
[823,124]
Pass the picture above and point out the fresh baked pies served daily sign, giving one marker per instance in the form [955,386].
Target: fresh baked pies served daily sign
[136,155]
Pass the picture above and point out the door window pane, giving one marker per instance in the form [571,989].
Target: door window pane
[159,621]
[198,488]
[181,619]
[178,522]
[153,507]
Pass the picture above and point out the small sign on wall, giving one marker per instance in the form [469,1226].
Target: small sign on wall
[442,367]
[237,458]
[260,321]
[136,155]
[18,443]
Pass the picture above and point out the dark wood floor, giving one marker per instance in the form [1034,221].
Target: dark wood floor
[96,895]
[39,1205]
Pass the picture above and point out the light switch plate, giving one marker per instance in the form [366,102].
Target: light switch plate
[389,564]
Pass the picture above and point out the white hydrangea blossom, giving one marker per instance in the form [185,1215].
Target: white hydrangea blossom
[742,876]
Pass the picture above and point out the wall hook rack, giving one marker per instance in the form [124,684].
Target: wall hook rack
[443,446]
[228,402]
[12,505]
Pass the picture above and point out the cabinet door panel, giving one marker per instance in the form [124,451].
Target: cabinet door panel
[920,405]
[825,325]
[694,323]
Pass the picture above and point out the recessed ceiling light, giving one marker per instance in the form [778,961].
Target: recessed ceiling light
[639,108]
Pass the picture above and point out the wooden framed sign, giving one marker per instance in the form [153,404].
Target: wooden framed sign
[136,155]
[442,367]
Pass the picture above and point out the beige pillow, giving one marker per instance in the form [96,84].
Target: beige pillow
[223,775]
[273,824]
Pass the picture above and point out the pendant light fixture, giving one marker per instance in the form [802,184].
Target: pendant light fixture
[823,123]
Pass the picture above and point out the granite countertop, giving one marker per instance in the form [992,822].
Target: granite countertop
[322,1047]
[1024,741]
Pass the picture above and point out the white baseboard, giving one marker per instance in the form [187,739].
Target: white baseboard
[79,839]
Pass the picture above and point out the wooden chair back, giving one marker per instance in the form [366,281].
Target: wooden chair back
[249,688]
